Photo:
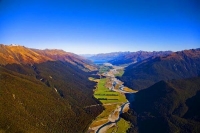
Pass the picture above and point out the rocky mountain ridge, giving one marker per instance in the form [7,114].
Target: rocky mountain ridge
[10,54]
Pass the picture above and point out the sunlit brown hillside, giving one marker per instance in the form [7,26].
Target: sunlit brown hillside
[193,53]
[61,55]
[19,54]
[10,54]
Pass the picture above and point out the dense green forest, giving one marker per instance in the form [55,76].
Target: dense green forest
[46,97]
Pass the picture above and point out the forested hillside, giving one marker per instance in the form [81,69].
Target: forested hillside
[45,96]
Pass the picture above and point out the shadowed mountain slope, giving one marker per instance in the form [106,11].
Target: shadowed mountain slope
[34,103]
[167,107]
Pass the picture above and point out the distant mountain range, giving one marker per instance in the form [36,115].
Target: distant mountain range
[137,57]
[120,58]
[177,65]
[106,57]
[45,91]
[87,55]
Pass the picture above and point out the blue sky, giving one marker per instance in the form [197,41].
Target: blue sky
[100,26]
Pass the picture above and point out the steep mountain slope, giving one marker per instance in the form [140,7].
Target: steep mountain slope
[10,54]
[49,95]
[29,104]
[167,106]
[61,55]
[183,64]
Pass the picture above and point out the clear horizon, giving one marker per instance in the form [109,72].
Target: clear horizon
[92,27]
[97,53]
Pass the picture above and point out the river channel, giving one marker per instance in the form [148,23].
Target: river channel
[113,119]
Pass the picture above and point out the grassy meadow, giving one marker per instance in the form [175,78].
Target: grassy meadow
[105,95]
